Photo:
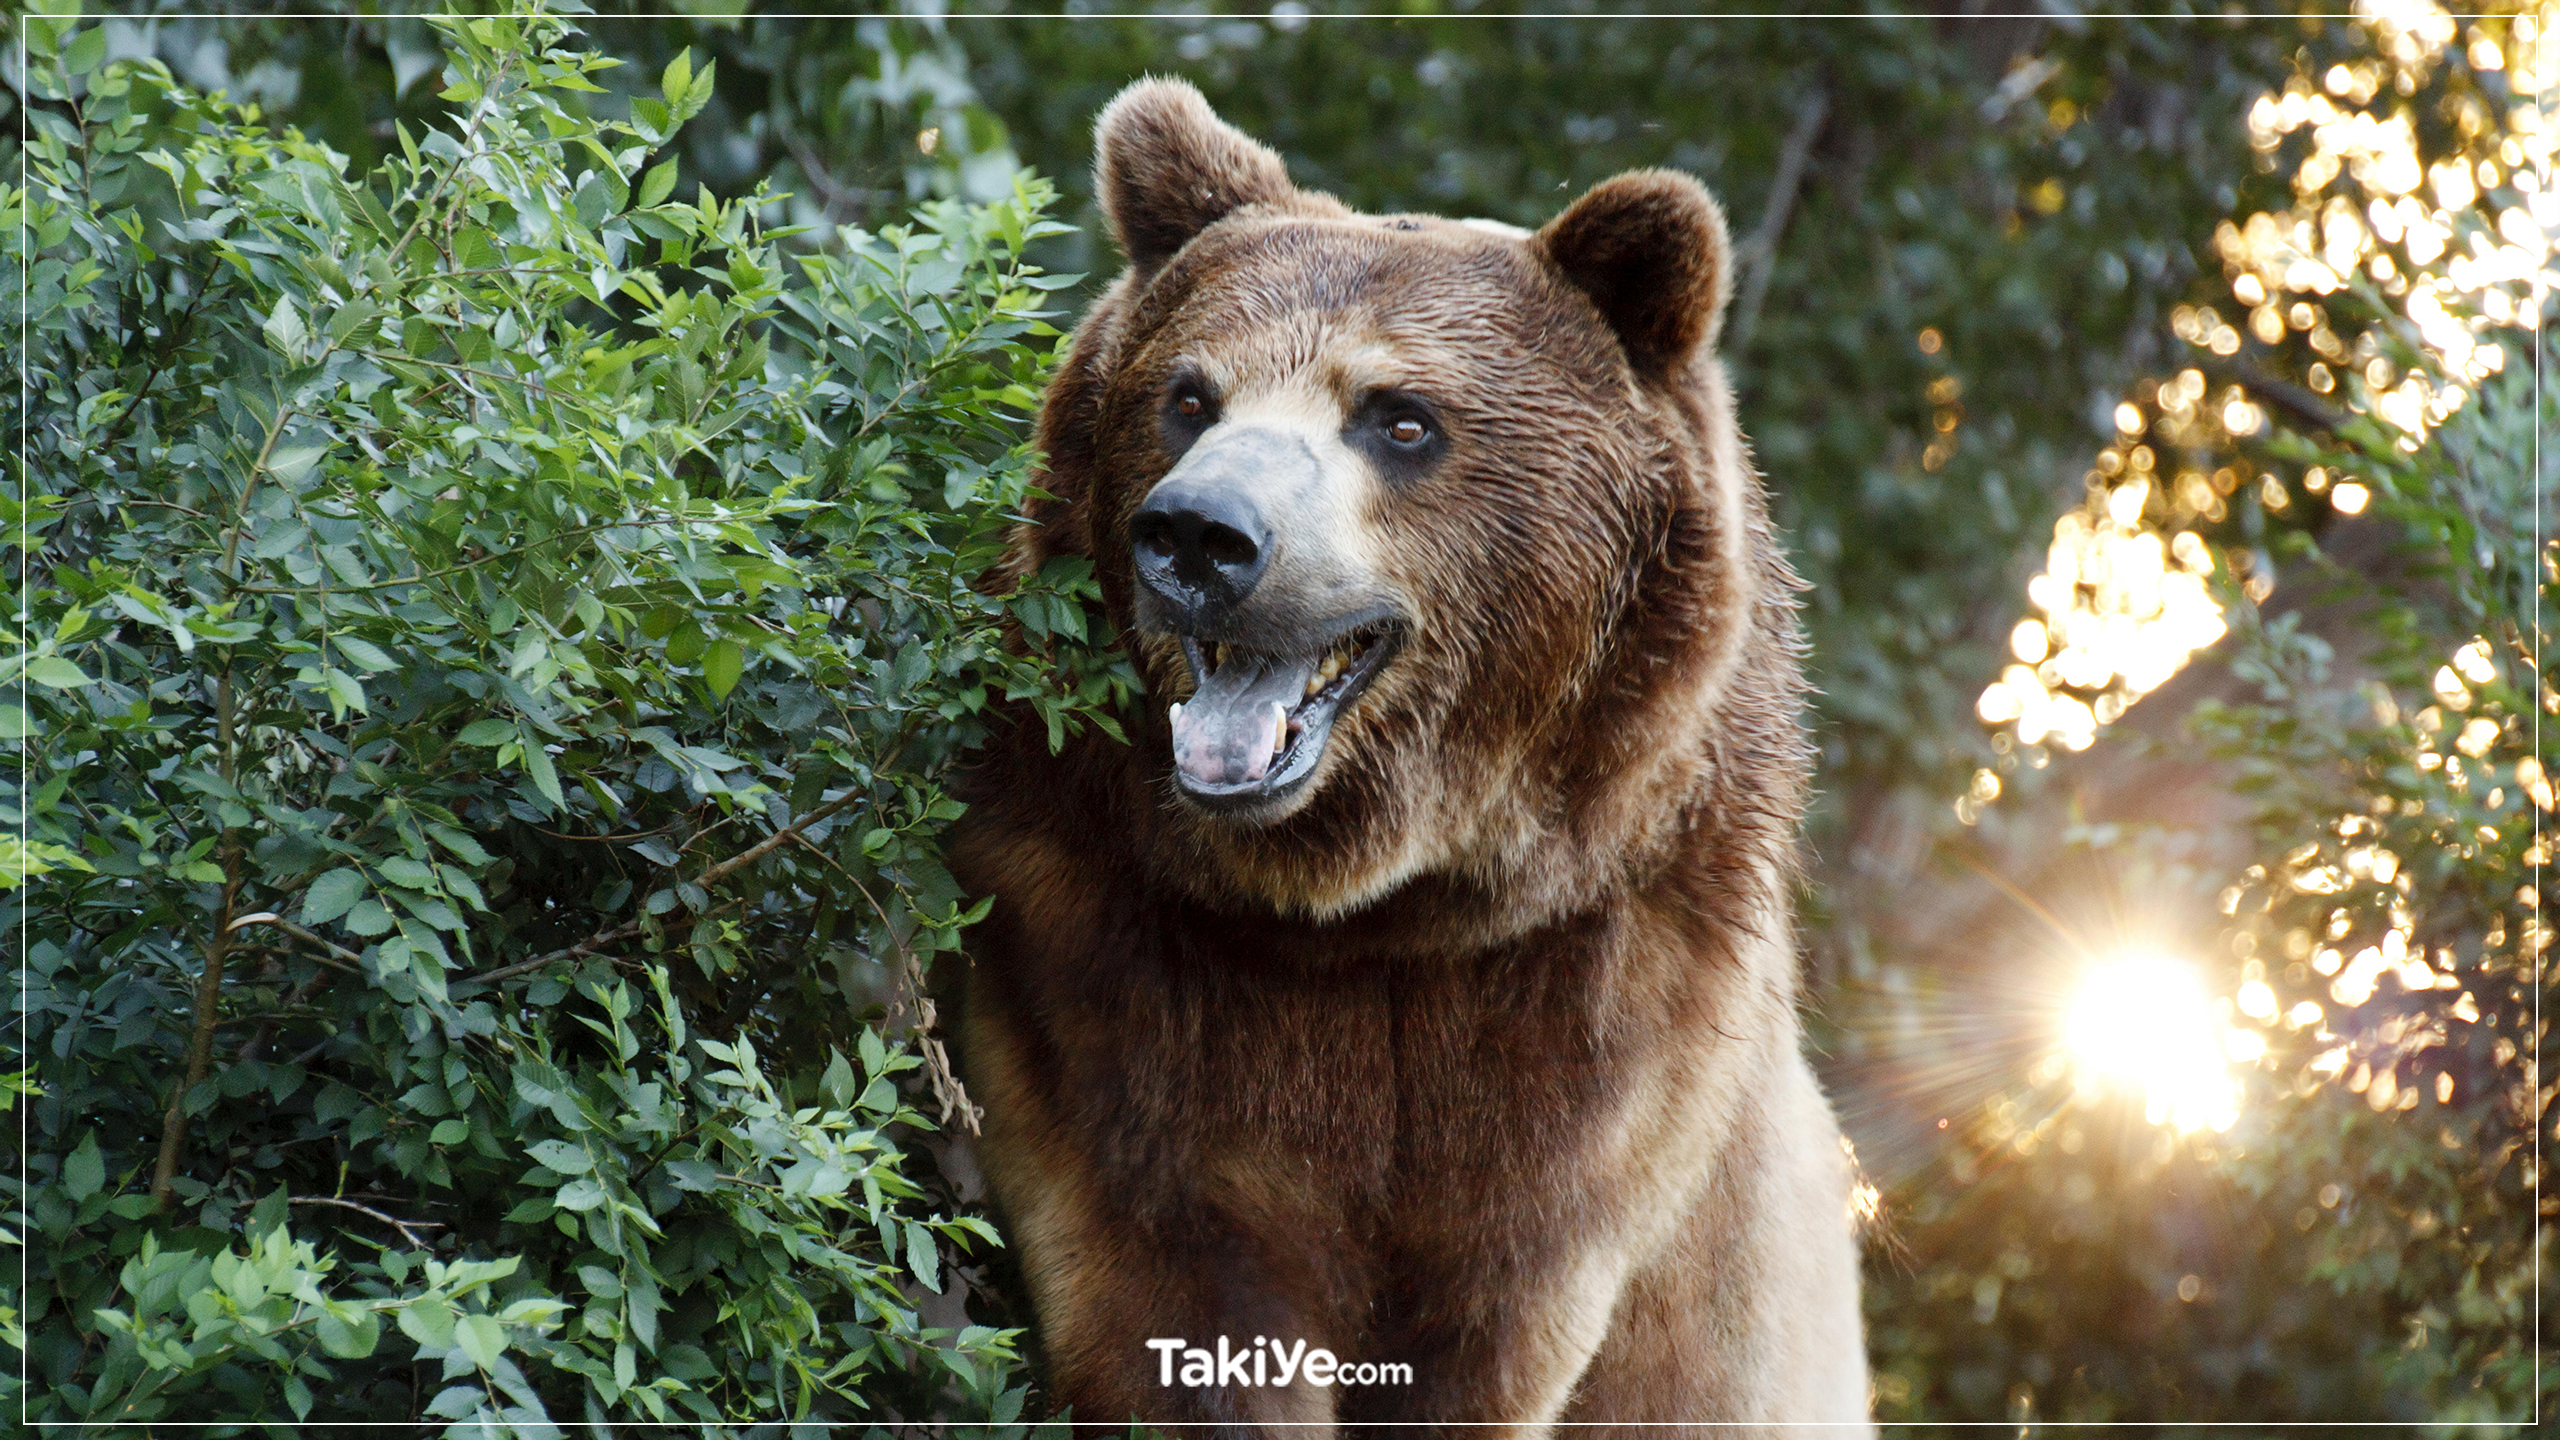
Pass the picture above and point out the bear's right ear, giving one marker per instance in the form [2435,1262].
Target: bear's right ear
[1648,248]
[1166,168]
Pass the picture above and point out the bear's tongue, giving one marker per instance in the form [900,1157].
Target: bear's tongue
[1238,723]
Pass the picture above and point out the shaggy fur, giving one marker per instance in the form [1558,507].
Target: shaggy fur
[1480,1052]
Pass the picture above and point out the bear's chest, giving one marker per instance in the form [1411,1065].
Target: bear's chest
[1356,1091]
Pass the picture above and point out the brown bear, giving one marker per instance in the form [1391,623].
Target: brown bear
[1401,1027]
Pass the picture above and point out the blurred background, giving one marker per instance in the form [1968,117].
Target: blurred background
[2154,407]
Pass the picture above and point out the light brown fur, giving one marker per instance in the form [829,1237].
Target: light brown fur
[1479,1051]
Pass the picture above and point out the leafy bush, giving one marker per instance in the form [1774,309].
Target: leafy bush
[496,635]
[2393,921]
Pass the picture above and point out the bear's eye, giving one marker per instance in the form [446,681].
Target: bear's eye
[1190,406]
[1401,432]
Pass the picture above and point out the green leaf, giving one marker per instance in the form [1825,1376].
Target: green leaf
[369,917]
[488,730]
[428,1320]
[281,540]
[537,763]
[881,1097]
[343,689]
[284,328]
[922,1260]
[365,653]
[450,1132]
[482,1339]
[350,1338]
[658,184]
[331,896]
[86,50]
[463,846]
[563,1157]
[57,672]
[290,463]
[721,665]
[85,1171]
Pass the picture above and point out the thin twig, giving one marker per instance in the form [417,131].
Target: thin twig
[160,359]
[405,1227]
[706,880]
[805,843]
[462,158]
[774,841]
[87,498]
[844,202]
[584,947]
[1757,255]
[2300,403]
[249,490]
[610,839]
[423,576]
[449,365]
[339,955]
[945,1081]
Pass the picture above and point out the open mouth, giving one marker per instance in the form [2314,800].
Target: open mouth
[1257,722]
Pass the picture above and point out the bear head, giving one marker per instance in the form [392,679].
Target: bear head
[1435,541]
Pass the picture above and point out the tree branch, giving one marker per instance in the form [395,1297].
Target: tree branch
[338,955]
[338,959]
[584,947]
[173,1123]
[1757,255]
[843,202]
[2294,400]
[706,880]
[405,1227]
[774,841]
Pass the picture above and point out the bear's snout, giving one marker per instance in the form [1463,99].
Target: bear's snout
[1242,552]
[1201,544]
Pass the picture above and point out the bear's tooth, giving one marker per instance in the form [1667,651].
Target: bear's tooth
[1315,683]
[1279,728]
[1219,656]
[1173,713]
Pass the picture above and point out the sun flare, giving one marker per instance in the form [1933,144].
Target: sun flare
[2147,1024]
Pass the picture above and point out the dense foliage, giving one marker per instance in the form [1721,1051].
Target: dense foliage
[1989,274]
[2356,1241]
[2342,811]
[498,628]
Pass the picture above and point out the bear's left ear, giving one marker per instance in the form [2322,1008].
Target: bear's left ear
[1648,248]
[1166,168]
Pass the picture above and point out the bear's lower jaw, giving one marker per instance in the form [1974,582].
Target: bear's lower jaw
[1255,728]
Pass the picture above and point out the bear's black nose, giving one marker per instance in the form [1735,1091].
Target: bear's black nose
[1201,547]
